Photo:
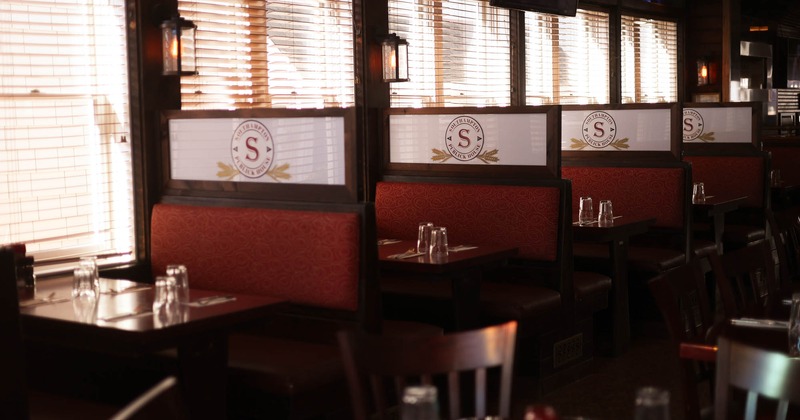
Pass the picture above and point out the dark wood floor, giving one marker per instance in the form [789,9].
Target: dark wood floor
[608,392]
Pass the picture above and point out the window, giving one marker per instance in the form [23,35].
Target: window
[649,60]
[459,53]
[276,53]
[65,163]
[566,58]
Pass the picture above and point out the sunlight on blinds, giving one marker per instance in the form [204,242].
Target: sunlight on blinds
[65,163]
[567,58]
[277,53]
[649,60]
[459,53]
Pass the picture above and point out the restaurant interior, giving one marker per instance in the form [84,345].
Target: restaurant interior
[402,209]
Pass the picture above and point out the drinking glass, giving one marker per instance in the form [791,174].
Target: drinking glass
[775,177]
[181,275]
[83,283]
[420,403]
[698,193]
[91,264]
[651,404]
[165,298]
[605,216]
[438,242]
[794,326]
[424,237]
[585,211]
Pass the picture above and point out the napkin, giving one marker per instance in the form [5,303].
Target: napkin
[211,300]
[404,255]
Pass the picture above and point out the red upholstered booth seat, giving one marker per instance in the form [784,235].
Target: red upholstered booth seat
[307,257]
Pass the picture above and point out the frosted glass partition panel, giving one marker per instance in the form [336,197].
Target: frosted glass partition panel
[721,124]
[469,139]
[617,130]
[292,150]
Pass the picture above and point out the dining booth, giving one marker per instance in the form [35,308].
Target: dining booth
[261,208]
[722,143]
[491,177]
[630,155]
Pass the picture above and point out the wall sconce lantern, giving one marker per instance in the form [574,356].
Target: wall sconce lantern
[703,76]
[395,59]
[178,45]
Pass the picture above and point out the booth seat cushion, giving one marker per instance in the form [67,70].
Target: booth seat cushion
[591,292]
[641,259]
[309,258]
[738,236]
[703,247]
[503,301]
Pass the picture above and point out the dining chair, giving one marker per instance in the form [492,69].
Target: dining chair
[378,368]
[161,401]
[13,381]
[782,226]
[770,381]
[681,297]
[746,281]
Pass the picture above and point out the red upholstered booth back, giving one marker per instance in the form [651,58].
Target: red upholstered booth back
[730,176]
[524,216]
[307,257]
[635,192]
[787,160]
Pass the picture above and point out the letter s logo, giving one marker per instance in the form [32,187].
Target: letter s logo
[462,134]
[687,124]
[249,143]
[598,129]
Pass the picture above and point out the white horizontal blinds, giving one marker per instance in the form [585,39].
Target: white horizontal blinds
[231,50]
[649,60]
[65,172]
[65,163]
[567,58]
[276,53]
[459,53]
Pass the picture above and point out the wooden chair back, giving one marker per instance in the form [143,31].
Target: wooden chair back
[13,383]
[759,373]
[161,401]
[782,225]
[379,368]
[683,301]
[747,282]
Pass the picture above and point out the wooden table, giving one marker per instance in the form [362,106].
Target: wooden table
[713,209]
[617,236]
[463,269]
[199,333]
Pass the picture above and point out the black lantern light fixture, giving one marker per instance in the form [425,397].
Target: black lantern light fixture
[178,45]
[395,59]
[702,71]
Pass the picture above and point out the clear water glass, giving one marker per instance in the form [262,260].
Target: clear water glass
[84,285]
[605,216]
[698,193]
[585,211]
[181,275]
[420,403]
[651,404]
[424,237]
[438,243]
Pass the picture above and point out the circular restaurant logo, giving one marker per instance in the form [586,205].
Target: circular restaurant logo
[599,129]
[692,124]
[252,149]
[464,138]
